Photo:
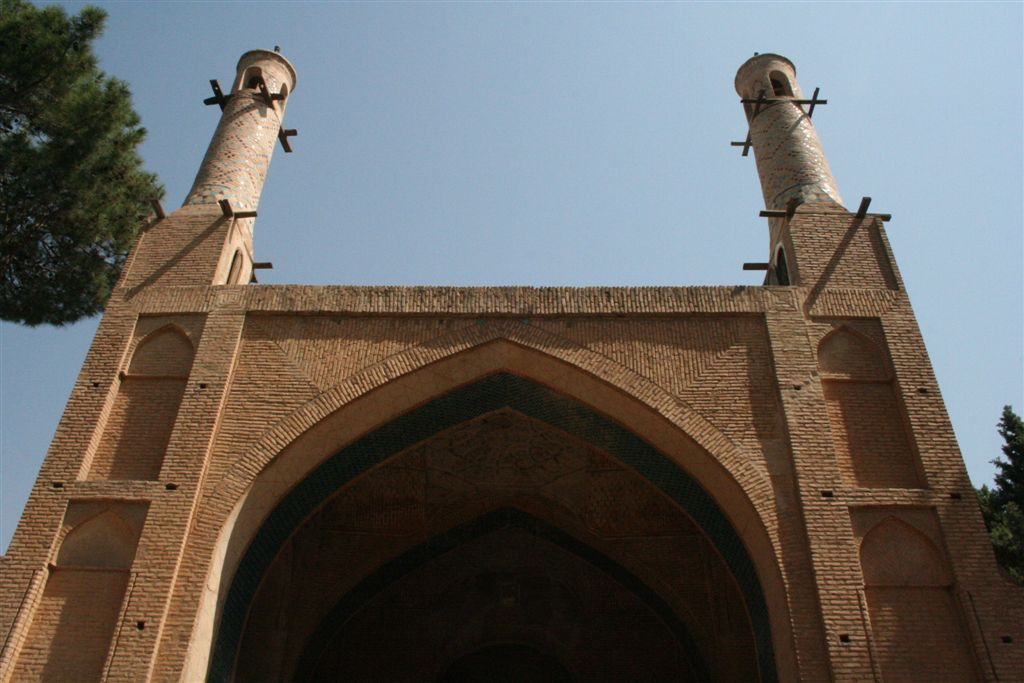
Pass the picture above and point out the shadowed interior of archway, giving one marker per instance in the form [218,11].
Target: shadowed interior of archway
[506,663]
[508,532]
[493,393]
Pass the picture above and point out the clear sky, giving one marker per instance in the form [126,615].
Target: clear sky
[585,144]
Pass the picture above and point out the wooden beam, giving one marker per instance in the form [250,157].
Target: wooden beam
[267,95]
[229,212]
[746,145]
[862,210]
[219,98]
[756,266]
[158,209]
[283,134]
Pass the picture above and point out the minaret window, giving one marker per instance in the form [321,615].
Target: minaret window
[236,267]
[251,77]
[781,269]
[780,84]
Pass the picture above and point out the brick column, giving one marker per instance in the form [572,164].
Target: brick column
[170,516]
[992,607]
[32,547]
[833,552]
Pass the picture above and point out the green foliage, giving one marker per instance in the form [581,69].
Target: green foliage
[1003,506]
[72,188]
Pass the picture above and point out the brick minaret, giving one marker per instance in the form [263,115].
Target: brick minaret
[236,162]
[790,163]
[209,240]
[789,157]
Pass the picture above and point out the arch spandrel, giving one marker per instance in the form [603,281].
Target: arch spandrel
[309,435]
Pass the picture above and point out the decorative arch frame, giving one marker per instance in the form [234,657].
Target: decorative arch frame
[376,395]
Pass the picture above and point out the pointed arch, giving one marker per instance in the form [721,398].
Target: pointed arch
[444,363]
[781,86]
[138,428]
[893,553]
[845,353]
[240,500]
[248,79]
[916,622]
[872,442]
[490,393]
[77,614]
[164,352]
[104,540]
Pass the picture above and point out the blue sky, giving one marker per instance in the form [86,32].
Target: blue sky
[585,144]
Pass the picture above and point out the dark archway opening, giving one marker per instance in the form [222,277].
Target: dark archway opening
[278,547]
[506,576]
[506,663]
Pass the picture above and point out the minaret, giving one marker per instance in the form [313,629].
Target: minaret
[792,167]
[236,162]
[209,240]
[790,160]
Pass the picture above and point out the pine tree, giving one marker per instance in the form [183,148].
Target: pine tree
[1003,505]
[72,189]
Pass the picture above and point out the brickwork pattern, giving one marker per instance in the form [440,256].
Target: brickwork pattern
[138,429]
[866,419]
[182,249]
[716,308]
[73,626]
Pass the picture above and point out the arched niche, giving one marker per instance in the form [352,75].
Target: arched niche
[166,352]
[250,79]
[348,625]
[251,541]
[138,428]
[235,270]
[781,267]
[872,442]
[781,87]
[894,553]
[76,616]
[105,540]
[917,624]
[846,354]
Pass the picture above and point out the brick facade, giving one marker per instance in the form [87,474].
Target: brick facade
[701,483]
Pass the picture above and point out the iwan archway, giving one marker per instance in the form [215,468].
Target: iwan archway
[500,517]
